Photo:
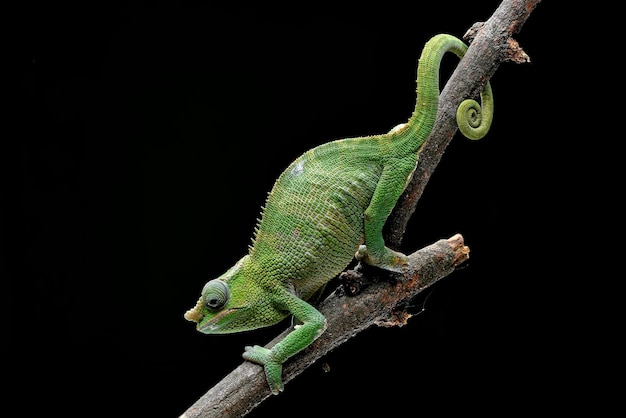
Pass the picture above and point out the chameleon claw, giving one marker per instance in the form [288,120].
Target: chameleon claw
[257,354]
[361,253]
[390,260]
[273,372]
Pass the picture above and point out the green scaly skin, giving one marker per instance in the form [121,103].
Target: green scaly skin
[327,207]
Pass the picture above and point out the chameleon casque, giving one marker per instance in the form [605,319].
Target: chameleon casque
[328,207]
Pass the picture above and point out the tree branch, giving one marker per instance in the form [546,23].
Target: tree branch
[380,303]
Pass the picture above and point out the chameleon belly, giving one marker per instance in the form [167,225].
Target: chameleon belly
[312,222]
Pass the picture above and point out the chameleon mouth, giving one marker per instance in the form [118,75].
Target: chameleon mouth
[217,322]
[213,324]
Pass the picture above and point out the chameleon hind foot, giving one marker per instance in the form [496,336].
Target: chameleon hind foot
[390,260]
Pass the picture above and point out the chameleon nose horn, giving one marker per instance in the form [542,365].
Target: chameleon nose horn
[195,314]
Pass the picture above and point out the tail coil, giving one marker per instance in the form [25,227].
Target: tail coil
[473,120]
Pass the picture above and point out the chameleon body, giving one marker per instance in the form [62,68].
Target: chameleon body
[326,208]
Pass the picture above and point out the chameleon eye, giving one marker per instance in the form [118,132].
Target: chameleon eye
[216,294]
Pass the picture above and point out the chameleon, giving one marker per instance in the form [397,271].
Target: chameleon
[326,209]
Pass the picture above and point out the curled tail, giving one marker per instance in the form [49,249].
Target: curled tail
[473,120]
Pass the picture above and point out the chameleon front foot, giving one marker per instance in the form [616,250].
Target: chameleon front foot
[273,369]
[390,260]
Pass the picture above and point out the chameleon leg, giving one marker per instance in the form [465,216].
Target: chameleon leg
[312,325]
[314,300]
[389,188]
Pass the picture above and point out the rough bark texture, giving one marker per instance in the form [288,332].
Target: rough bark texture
[379,302]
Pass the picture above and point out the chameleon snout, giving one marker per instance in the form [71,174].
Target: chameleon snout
[195,314]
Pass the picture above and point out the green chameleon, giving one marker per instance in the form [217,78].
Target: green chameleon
[328,207]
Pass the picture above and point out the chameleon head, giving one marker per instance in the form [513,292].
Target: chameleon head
[211,312]
[231,303]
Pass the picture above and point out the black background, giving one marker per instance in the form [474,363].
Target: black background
[148,136]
